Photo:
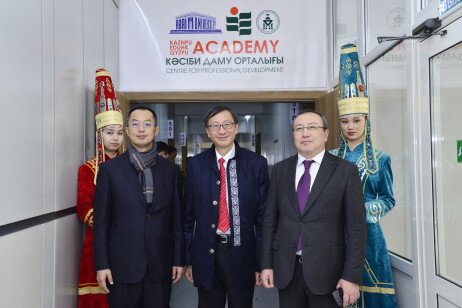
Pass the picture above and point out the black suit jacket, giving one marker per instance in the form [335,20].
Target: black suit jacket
[201,214]
[128,239]
[333,226]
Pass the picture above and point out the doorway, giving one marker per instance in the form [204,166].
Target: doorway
[441,159]
[264,126]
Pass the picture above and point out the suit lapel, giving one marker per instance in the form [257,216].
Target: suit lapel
[157,179]
[325,171]
[290,174]
[213,160]
[132,178]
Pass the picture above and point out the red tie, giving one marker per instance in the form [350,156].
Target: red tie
[223,216]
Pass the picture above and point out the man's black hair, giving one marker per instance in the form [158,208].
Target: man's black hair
[323,117]
[171,149]
[162,147]
[142,108]
[216,110]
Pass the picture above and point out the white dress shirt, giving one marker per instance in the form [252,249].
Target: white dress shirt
[227,157]
[313,169]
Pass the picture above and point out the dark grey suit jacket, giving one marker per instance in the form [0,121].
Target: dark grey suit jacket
[333,226]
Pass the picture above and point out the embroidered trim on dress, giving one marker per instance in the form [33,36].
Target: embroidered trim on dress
[90,288]
[89,218]
[377,290]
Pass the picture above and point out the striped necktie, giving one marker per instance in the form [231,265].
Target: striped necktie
[223,216]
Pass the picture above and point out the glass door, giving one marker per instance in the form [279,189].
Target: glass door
[446,112]
[441,153]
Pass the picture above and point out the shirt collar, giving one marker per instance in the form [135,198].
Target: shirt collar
[318,158]
[228,155]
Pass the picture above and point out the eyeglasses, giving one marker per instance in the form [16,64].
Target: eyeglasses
[311,128]
[137,125]
[216,127]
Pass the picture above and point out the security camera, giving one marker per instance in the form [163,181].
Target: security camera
[428,26]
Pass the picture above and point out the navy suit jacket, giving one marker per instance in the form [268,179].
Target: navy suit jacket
[128,239]
[201,214]
[332,226]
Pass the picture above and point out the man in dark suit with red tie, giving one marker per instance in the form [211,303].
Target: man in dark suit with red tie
[138,213]
[314,231]
[226,190]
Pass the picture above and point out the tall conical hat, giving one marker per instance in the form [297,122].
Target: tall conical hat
[352,99]
[107,110]
[352,95]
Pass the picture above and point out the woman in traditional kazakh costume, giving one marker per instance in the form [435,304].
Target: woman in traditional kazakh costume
[109,143]
[375,171]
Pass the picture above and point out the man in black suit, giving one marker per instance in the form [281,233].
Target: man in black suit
[138,240]
[225,198]
[314,231]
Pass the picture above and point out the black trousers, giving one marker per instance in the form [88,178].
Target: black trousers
[144,294]
[298,295]
[223,285]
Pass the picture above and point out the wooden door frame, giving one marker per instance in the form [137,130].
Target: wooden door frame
[325,102]
[127,98]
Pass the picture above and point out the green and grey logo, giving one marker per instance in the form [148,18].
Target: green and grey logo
[268,21]
[239,22]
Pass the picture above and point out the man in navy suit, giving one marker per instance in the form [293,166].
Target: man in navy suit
[138,210]
[314,232]
[225,198]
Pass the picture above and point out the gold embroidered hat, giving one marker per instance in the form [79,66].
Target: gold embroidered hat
[107,110]
[353,99]
[352,95]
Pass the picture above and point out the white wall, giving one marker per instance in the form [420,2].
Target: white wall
[50,51]
[21,78]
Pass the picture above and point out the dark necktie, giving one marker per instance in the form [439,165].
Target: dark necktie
[303,191]
[223,216]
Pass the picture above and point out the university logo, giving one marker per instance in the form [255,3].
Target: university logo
[396,18]
[239,22]
[268,21]
[193,23]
